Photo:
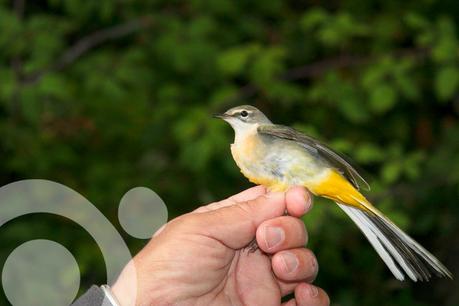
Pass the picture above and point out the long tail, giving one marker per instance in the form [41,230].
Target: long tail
[400,252]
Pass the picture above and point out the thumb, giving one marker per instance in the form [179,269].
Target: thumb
[236,225]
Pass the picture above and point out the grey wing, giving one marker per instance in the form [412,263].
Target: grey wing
[313,145]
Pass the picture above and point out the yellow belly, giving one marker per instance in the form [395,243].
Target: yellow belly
[272,184]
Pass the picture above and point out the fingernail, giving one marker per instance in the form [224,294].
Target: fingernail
[313,291]
[315,266]
[273,236]
[308,202]
[290,262]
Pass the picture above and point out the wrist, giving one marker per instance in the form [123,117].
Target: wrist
[125,287]
[108,295]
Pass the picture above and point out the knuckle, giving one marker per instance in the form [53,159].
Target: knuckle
[245,212]
[245,208]
[187,221]
[260,199]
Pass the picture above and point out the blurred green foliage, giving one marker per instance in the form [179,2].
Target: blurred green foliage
[107,95]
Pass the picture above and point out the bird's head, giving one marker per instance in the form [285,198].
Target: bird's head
[243,118]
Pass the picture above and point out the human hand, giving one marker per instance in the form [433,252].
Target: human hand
[199,258]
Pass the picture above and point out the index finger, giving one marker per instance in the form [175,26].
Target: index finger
[243,196]
[248,194]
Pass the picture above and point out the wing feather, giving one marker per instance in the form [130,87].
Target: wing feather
[313,145]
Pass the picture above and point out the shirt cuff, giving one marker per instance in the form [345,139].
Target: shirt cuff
[95,296]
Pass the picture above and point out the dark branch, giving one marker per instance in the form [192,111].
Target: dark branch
[317,69]
[93,40]
[19,7]
[88,43]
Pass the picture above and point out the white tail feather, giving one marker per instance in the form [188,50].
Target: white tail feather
[426,255]
[373,239]
[396,248]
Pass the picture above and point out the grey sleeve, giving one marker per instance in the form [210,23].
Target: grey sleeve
[93,297]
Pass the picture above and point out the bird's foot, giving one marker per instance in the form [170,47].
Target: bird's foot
[252,247]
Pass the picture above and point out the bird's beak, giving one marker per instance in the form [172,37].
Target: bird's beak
[221,116]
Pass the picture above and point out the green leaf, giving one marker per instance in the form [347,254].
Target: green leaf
[416,21]
[367,153]
[446,82]
[383,98]
[351,107]
[267,66]
[407,85]
[234,61]
[53,85]
[446,45]
[445,49]
[313,17]
[391,171]
[7,84]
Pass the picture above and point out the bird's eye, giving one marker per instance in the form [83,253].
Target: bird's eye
[244,114]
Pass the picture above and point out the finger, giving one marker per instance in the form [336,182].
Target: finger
[291,302]
[159,230]
[281,233]
[236,225]
[310,295]
[249,194]
[246,195]
[299,201]
[286,287]
[295,265]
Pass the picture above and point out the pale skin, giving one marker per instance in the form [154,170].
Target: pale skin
[200,258]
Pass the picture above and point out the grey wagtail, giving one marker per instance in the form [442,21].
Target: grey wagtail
[279,157]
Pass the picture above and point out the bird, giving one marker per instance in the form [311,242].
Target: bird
[279,157]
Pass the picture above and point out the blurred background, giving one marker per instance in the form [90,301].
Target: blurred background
[107,95]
